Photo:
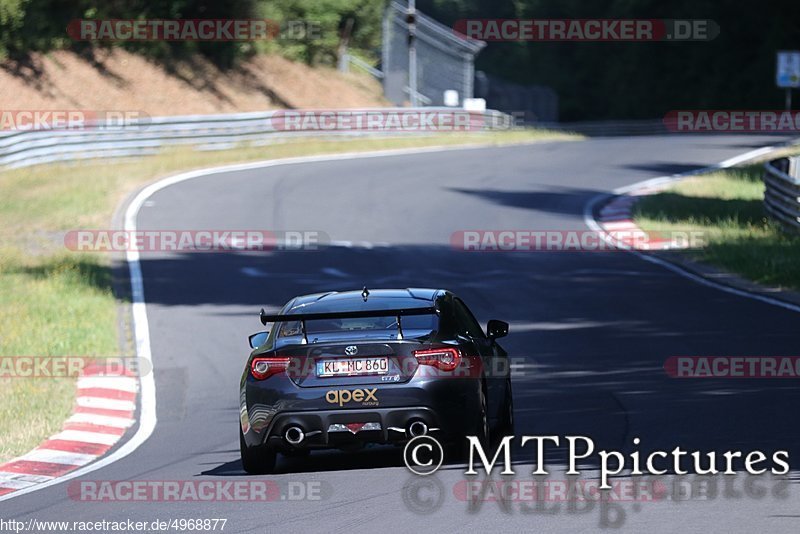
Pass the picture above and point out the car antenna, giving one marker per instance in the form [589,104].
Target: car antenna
[365,293]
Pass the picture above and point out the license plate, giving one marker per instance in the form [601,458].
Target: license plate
[353,367]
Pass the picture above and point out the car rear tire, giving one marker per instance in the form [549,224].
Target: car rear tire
[460,450]
[482,431]
[506,427]
[256,460]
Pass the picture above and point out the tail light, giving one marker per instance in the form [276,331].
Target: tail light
[262,368]
[443,359]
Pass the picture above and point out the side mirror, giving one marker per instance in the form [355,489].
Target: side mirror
[496,329]
[258,339]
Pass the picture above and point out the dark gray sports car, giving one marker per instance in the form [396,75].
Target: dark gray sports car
[337,370]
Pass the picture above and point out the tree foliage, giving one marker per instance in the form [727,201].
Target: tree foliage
[593,80]
[41,25]
[642,79]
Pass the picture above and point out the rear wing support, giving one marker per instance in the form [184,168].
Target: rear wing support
[399,313]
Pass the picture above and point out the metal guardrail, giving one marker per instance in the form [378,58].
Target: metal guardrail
[618,128]
[206,132]
[782,194]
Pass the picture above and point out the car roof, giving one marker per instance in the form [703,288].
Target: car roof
[377,299]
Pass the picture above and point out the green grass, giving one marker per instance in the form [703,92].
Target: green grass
[59,303]
[727,206]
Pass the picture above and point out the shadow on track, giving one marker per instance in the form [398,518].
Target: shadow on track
[588,344]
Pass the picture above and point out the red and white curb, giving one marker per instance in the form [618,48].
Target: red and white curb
[105,408]
[616,220]
[659,184]
[14,480]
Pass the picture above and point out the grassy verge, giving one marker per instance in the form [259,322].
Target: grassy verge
[56,303]
[727,206]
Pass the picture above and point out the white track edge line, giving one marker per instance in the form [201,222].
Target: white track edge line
[147,417]
[589,220]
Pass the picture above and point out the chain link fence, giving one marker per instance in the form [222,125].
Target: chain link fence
[445,60]
[530,103]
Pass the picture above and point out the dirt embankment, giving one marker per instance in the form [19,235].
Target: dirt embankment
[120,80]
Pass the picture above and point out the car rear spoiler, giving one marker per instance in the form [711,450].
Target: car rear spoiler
[303,317]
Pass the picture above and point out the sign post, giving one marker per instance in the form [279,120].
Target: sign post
[787,73]
[411,21]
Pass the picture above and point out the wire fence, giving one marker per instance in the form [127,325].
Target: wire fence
[445,60]
[532,103]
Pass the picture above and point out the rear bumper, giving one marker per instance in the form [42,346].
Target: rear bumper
[450,407]
[323,429]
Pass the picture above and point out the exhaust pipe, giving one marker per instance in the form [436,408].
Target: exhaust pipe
[294,435]
[417,428]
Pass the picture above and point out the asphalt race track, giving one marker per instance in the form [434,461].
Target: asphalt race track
[591,332]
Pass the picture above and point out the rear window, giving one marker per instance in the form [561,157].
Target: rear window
[412,325]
